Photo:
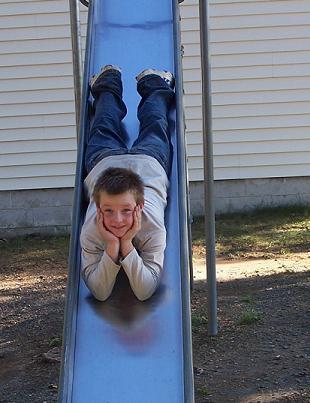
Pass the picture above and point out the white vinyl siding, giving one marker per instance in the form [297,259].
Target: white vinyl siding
[260,63]
[37,115]
[260,58]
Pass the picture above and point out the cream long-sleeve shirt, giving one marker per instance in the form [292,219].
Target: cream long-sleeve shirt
[143,265]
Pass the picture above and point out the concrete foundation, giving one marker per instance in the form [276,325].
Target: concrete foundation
[249,194]
[25,212]
[48,211]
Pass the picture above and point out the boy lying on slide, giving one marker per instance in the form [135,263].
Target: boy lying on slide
[127,188]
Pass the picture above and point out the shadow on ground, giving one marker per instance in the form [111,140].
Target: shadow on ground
[261,353]
[262,350]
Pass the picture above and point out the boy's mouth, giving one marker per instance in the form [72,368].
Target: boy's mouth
[119,228]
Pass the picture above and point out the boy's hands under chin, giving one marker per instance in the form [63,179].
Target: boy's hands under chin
[126,245]
[111,241]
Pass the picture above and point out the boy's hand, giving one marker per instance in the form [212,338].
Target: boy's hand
[112,243]
[106,235]
[126,240]
[136,226]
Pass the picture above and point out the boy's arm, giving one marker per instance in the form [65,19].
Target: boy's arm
[100,253]
[144,269]
[99,271]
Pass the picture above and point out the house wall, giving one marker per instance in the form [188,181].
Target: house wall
[260,67]
[48,211]
[37,114]
[260,64]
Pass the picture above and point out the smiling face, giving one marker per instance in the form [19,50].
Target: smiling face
[117,212]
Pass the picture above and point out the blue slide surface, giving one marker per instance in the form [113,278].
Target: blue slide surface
[124,350]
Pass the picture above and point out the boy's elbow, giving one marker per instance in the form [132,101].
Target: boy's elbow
[99,292]
[145,294]
[100,296]
[147,288]
[143,297]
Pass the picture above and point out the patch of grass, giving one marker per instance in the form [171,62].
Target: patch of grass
[36,246]
[249,317]
[204,391]
[247,298]
[55,342]
[260,233]
[199,320]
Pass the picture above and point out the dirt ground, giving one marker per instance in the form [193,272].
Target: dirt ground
[261,353]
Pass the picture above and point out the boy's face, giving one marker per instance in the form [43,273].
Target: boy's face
[117,212]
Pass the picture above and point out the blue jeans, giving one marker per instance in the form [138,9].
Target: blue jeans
[107,137]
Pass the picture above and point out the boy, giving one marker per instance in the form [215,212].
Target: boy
[124,223]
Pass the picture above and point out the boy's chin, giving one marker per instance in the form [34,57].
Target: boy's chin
[119,233]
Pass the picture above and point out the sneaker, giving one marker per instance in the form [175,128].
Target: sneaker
[165,75]
[102,71]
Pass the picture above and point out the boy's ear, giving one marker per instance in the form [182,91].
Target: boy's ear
[141,205]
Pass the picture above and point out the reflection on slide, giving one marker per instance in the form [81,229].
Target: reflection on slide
[124,350]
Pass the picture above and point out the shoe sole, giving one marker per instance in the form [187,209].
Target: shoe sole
[108,67]
[165,75]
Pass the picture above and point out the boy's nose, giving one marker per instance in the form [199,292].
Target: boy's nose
[118,217]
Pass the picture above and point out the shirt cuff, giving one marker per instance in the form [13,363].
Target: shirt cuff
[110,262]
[128,259]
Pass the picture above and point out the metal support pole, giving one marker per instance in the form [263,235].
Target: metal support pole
[76,58]
[208,169]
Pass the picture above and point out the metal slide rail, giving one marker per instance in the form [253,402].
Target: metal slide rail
[183,212]
[72,289]
[73,285]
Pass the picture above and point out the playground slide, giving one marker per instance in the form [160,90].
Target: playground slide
[123,350]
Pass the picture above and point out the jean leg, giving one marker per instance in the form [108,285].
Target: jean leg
[105,136]
[153,110]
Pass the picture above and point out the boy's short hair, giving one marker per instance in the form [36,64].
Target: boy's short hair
[115,181]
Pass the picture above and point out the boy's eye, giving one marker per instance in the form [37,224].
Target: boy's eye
[127,211]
